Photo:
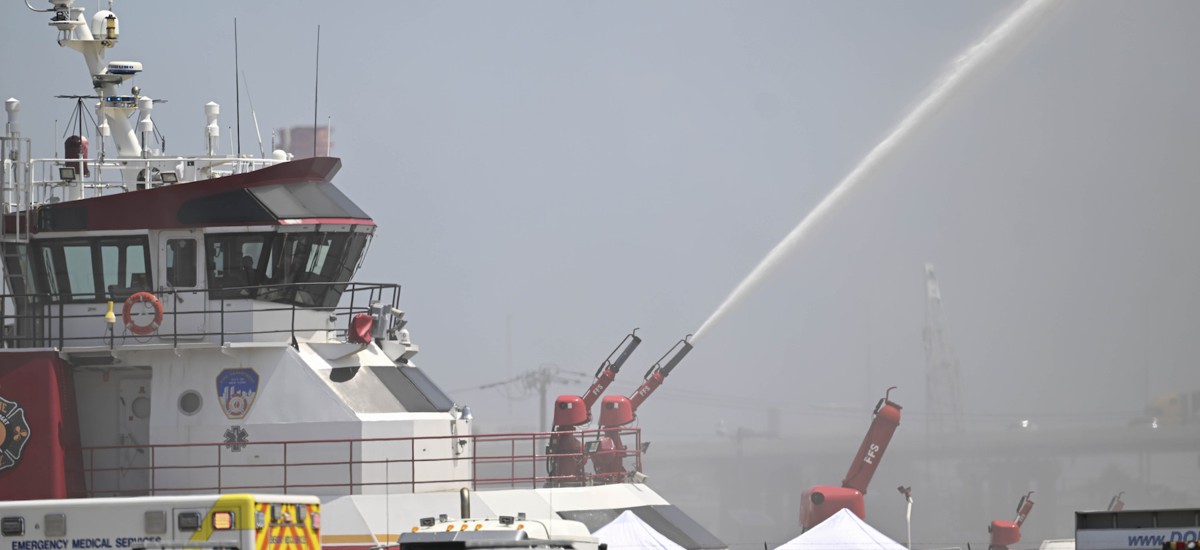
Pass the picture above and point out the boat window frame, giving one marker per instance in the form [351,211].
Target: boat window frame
[184,256]
[340,250]
[52,269]
[119,290]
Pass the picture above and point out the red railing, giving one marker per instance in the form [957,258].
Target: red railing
[348,466]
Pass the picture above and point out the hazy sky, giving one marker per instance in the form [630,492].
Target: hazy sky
[548,175]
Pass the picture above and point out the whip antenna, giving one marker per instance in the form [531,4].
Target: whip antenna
[316,89]
[237,102]
[254,115]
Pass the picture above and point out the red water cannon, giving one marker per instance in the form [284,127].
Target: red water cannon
[607,372]
[822,501]
[1004,533]
[565,458]
[618,410]
[574,410]
[658,372]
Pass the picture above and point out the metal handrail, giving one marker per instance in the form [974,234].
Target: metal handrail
[46,310]
[481,455]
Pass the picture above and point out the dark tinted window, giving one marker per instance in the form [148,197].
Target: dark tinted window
[62,218]
[1095,520]
[181,262]
[413,389]
[1135,520]
[593,519]
[235,263]
[307,200]
[305,269]
[1177,518]
[224,208]
[678,526]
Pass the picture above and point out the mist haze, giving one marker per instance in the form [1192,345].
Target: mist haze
[548,176]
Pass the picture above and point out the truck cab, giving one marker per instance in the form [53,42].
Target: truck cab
[501,532]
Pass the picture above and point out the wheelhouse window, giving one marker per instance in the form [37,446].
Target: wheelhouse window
[77,267]
[181,263]
[304,269]
[94,270]
[234,263]
[123,266]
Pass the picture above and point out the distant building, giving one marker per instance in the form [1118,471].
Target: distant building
[298,140]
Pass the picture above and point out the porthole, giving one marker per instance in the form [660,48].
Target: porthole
[141,407]
[190,402]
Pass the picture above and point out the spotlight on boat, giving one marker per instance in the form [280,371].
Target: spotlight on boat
[66,173]
[168,177]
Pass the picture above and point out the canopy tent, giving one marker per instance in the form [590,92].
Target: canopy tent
[629,532]
[842,531]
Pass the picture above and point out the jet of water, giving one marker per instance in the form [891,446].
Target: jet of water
[963,68]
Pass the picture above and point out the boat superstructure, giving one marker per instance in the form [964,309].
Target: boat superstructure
[183,325]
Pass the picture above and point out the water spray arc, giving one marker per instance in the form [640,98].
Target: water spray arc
[964,67]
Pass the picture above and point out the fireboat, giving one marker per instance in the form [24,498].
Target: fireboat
[178,325]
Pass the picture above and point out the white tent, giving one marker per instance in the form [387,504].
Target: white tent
[629,532]
[842,531]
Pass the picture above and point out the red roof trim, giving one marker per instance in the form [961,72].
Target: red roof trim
[158,208]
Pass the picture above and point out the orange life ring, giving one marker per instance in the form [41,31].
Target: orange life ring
[142,297]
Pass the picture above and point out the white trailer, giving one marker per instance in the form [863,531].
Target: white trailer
[1135,529]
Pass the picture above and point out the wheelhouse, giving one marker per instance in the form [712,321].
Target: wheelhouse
[218,257]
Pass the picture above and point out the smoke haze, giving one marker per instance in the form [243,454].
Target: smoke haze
[548,176]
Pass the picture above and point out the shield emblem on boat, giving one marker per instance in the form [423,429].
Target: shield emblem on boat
[236,389]
[14,432]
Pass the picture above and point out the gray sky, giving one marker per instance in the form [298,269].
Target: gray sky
[574,170]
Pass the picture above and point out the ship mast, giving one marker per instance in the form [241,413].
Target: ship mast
[93,41]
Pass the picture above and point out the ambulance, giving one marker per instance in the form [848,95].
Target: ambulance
[220,522]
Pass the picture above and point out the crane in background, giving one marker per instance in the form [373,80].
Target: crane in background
[943,391]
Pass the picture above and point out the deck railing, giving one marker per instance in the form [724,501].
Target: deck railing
[43,320]
[350,466]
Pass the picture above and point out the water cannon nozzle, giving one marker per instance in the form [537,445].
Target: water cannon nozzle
[630,343]
[683,347]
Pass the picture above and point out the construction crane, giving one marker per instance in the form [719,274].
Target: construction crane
[822,501]
[943,391]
